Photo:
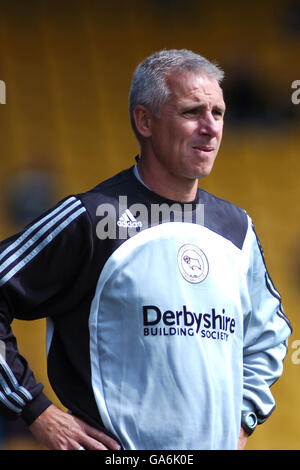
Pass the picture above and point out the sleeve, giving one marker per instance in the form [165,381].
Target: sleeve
[266,332]
[39,271]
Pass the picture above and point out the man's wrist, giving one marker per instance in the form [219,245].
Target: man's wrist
[35,408]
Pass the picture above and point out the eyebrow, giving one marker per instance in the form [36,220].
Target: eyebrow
[198,105]
[220,107]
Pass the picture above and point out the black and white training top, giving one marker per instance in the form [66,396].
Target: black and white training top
[163,322]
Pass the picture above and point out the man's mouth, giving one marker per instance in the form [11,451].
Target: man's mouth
[203,148]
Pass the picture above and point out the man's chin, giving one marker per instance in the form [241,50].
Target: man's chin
[202,173]
[202,169]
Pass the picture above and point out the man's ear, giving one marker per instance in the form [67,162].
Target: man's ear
[142,118]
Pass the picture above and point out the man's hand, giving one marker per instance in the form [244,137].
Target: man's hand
[242,439]
[58,430]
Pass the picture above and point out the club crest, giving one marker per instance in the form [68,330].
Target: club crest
[192,263]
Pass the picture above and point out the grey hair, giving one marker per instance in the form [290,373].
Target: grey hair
[149,87]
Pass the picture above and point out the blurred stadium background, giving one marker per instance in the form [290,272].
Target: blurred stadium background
[67,66]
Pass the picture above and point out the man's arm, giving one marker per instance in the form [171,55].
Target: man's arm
[35,268]
[20,394]
[266,332]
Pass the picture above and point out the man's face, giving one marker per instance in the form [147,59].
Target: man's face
[186,136]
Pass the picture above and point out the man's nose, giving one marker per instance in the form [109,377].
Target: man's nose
[208,125]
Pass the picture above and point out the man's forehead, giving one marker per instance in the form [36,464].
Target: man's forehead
[193,85]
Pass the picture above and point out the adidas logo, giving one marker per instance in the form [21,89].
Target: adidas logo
[128,220]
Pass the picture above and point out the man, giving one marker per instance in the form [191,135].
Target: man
[164,329]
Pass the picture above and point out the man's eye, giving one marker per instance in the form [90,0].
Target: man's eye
[218,112]
[191,112]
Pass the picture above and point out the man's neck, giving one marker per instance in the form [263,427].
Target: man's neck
[160,181]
